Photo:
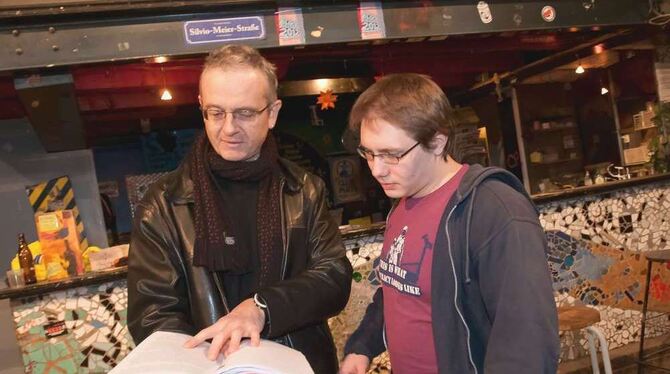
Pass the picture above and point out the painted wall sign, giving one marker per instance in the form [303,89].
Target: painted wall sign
[345,176]
[224,29]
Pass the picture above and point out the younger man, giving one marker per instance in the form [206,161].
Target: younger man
[465,282]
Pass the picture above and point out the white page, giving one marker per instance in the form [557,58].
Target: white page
[268,358]
[163,352]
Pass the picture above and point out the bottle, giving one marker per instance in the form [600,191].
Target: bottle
[587,179]
[26,260]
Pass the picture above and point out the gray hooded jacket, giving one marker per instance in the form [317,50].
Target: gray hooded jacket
[492,301]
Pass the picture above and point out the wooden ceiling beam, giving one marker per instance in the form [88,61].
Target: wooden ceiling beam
[134,100]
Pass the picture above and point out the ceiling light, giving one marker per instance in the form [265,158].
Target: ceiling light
[603,89]
[166,95]
[160,59]
[322,84]
[598,48]
[580,69]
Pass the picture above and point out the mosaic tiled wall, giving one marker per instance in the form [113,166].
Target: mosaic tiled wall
[80,330]
[362,252]
[636,219]
[595,245]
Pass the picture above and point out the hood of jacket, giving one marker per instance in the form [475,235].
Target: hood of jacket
[467,191]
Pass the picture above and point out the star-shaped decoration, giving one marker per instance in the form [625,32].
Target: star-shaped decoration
[327,99]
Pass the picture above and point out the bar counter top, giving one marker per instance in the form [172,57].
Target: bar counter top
[598,188]
[85,279]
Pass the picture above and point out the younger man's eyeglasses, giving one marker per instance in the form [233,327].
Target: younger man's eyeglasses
[240,116]
[386,158]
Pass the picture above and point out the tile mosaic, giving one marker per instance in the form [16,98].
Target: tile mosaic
[630,219]
[88,342]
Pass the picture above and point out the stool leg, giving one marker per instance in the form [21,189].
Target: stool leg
[644,318]
[593,352]
[604,347]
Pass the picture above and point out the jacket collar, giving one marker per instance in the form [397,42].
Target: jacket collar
[179,189]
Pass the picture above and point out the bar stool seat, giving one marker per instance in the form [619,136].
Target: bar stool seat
[574,318]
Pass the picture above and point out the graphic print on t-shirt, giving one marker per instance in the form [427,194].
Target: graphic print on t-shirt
[403,274]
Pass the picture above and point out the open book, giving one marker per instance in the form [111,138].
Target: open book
[163,352]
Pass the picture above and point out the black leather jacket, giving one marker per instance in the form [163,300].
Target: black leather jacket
[166,292]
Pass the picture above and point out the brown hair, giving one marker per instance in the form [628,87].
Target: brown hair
[232,56]
[412,102]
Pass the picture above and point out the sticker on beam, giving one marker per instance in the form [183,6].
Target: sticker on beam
[484,12]
[290,26]
[548,13]
[371,20]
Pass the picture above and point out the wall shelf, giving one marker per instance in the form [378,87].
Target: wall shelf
[559,161]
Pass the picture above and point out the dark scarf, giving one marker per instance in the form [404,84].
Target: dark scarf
[213,221]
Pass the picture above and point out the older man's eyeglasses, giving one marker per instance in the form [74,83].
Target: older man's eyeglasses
[240,116]
[387,158]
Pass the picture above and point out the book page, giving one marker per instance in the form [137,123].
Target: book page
[268,358]
[163,353]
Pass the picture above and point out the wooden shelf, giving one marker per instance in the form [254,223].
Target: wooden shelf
[560,161]
[644,128]
[647,97]
[552,130]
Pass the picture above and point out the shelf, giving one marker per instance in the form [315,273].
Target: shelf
[552,130]
[648,97]
[560,161]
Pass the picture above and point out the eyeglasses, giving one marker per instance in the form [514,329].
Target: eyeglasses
[240,116]
[386,158]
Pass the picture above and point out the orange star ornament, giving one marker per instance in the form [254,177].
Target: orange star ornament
[327,99]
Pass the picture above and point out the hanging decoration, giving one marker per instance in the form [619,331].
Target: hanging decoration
[327,99]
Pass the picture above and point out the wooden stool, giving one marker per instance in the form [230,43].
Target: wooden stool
[571,318]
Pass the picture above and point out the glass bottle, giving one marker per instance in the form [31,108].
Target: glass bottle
[26,260]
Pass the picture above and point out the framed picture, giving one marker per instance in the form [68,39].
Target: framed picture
[345,177]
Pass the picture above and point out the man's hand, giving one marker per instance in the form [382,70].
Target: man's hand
[245,321]
[354,364]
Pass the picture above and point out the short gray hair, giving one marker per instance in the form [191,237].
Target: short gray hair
[239,55]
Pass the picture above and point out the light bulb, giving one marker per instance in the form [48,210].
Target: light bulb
[166,96]
[604,91]
[580,69]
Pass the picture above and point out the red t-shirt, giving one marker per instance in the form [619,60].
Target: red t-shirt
[405,272]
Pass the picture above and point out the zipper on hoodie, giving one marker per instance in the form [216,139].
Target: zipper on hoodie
[453,269]
[388,216]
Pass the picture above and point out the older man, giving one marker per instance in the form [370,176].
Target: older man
[238,242]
